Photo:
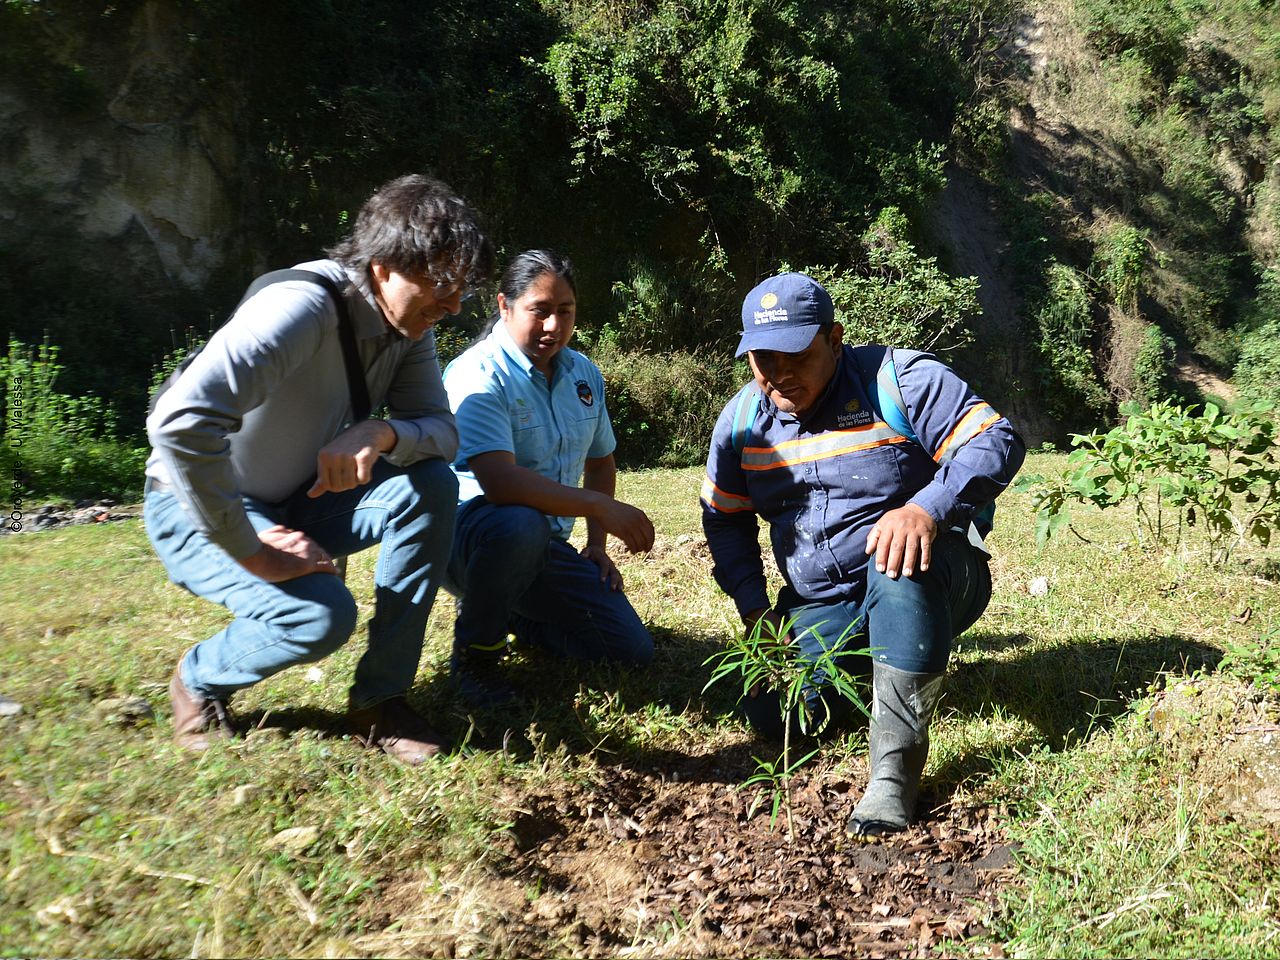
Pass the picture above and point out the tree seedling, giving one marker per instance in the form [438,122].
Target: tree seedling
[767,658]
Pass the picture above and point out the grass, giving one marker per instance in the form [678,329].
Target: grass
[114,843]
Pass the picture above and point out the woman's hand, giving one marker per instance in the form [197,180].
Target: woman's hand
[608,570]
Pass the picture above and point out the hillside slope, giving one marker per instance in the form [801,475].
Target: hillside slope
[1130,204]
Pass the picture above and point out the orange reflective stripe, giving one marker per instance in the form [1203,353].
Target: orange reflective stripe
[970,426]
[723,502]
[834,443]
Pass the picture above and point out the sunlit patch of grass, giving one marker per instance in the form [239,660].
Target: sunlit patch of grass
[1123,855]
[112,842]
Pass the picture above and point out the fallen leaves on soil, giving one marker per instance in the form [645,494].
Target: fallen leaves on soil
[644,864]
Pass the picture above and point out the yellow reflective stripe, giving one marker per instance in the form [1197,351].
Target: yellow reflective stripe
[723,502]
[970,425]
[834,443]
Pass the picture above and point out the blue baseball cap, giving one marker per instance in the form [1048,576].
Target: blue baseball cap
[784,313]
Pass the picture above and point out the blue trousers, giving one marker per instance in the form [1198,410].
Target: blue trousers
[907,623]
[408,510]
[511,575]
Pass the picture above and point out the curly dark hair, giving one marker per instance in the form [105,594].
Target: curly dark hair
[417,224]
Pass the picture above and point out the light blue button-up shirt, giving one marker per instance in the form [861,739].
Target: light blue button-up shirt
[502,402]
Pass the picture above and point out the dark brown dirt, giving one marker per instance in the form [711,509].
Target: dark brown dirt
[675,863]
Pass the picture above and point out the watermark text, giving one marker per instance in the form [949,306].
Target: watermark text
[15,435]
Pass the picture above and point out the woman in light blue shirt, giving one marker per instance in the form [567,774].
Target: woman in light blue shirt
[535,453]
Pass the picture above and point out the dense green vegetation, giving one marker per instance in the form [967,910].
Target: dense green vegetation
[57,444]
[678,151]
[1141,192]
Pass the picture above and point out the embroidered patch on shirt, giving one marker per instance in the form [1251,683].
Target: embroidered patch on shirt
[856,418]
[584,393]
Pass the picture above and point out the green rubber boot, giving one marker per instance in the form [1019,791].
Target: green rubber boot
[902,704]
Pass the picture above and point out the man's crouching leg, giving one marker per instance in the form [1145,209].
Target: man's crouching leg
[275,626]
[300,621]
[408,512]
[911,622]
[902,706]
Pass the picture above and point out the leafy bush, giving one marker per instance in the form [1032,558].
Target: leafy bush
[1176,469]
[664,405]
[1120,259]
[1256,662]
[712,108]
[904,299]
[1064,316]
[658,310]
[61,446]
[1151,379]
[1154,31]
[1257,373]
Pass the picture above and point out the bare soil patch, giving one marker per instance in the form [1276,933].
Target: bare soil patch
[672,863]
[1192,371]
[1230,734]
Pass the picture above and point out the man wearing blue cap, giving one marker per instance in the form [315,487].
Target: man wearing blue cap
[876,469]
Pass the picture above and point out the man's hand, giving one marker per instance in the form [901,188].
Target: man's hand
[286,555]
[629,524]
[346,462]
[902,541]
[608,570]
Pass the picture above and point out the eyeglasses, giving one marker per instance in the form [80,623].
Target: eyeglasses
[443,291]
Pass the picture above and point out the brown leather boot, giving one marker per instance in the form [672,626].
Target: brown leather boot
[398,730]
[197,720]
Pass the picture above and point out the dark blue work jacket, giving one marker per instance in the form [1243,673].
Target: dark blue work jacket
[821,483]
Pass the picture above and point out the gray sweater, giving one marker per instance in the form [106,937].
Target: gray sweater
[269,390]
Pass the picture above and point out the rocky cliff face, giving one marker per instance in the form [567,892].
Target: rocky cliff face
[148,171]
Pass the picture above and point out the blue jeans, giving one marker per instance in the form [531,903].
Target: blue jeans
[408,510]
[511,575]
[907,623]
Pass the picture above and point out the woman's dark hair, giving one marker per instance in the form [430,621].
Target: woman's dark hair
[527,267]
[521,273]
[417,224]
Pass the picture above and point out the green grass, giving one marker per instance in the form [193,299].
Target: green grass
[112,842]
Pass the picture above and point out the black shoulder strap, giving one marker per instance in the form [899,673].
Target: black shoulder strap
[356,385]
[360,405]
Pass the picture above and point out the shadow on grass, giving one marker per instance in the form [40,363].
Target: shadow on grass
[1070,690]
[563,704]
[574,705]
[293,719]
[1068,693]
